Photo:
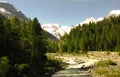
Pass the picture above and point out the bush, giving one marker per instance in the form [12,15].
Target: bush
[101,71]
[106,63]
[4,66]
[118,53]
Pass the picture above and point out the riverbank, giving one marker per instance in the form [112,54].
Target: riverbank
[77,65]
[80,65]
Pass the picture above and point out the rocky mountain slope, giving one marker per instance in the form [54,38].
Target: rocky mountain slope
[58,30]
[8,10]
[54,30]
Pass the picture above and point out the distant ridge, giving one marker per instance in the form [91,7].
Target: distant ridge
[3,2]
[8,10]
[58,30]
[113,13]
[55,29]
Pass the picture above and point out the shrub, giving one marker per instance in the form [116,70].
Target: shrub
[106,63]
[101,71]
[4,66]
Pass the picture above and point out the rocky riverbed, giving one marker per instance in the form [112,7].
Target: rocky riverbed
[77,67]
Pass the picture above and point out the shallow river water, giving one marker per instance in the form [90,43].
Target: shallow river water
[77,69]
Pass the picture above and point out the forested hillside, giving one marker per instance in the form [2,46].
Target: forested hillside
[23,46]
[101,36]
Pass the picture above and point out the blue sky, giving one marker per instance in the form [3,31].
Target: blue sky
[65,12]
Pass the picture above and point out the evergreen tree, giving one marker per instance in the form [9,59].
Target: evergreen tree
[100,36]
[24,45]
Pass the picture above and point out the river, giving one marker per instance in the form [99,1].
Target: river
[77,67]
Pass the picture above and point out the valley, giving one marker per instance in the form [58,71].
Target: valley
[85,65]
[32,48]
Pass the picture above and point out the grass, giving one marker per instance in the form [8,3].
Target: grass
[100,71]
[53,65]
[107,68]
[106,63]
[107,72]
[118,53]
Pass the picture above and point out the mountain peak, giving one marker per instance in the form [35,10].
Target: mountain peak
[9,10]
[88,20]
[100,19]
[3,2]
[56,29]
[113,13]
[52,28]
[91,19]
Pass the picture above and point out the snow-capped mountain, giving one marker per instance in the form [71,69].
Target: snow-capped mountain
[99,19]
[93,20]
[64,29]
[88,20]
[56,29]
[113,13]
[52,28]
[9,10]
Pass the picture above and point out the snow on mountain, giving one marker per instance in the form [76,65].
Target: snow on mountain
[3,2]
[99,19]
[88,20]
[2,10]
[56,29]
[64,29]
[92,20]
[113,13]
[52,28]
[9,10]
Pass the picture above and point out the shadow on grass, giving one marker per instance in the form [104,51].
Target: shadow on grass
[53,66]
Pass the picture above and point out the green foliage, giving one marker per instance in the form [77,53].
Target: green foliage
[118,53]
[53,64]
[106,72]
[101,36]
[20,67]
[106,63]
[52,46]
[4,66]
[103,69]
[108,52]
[24,44]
